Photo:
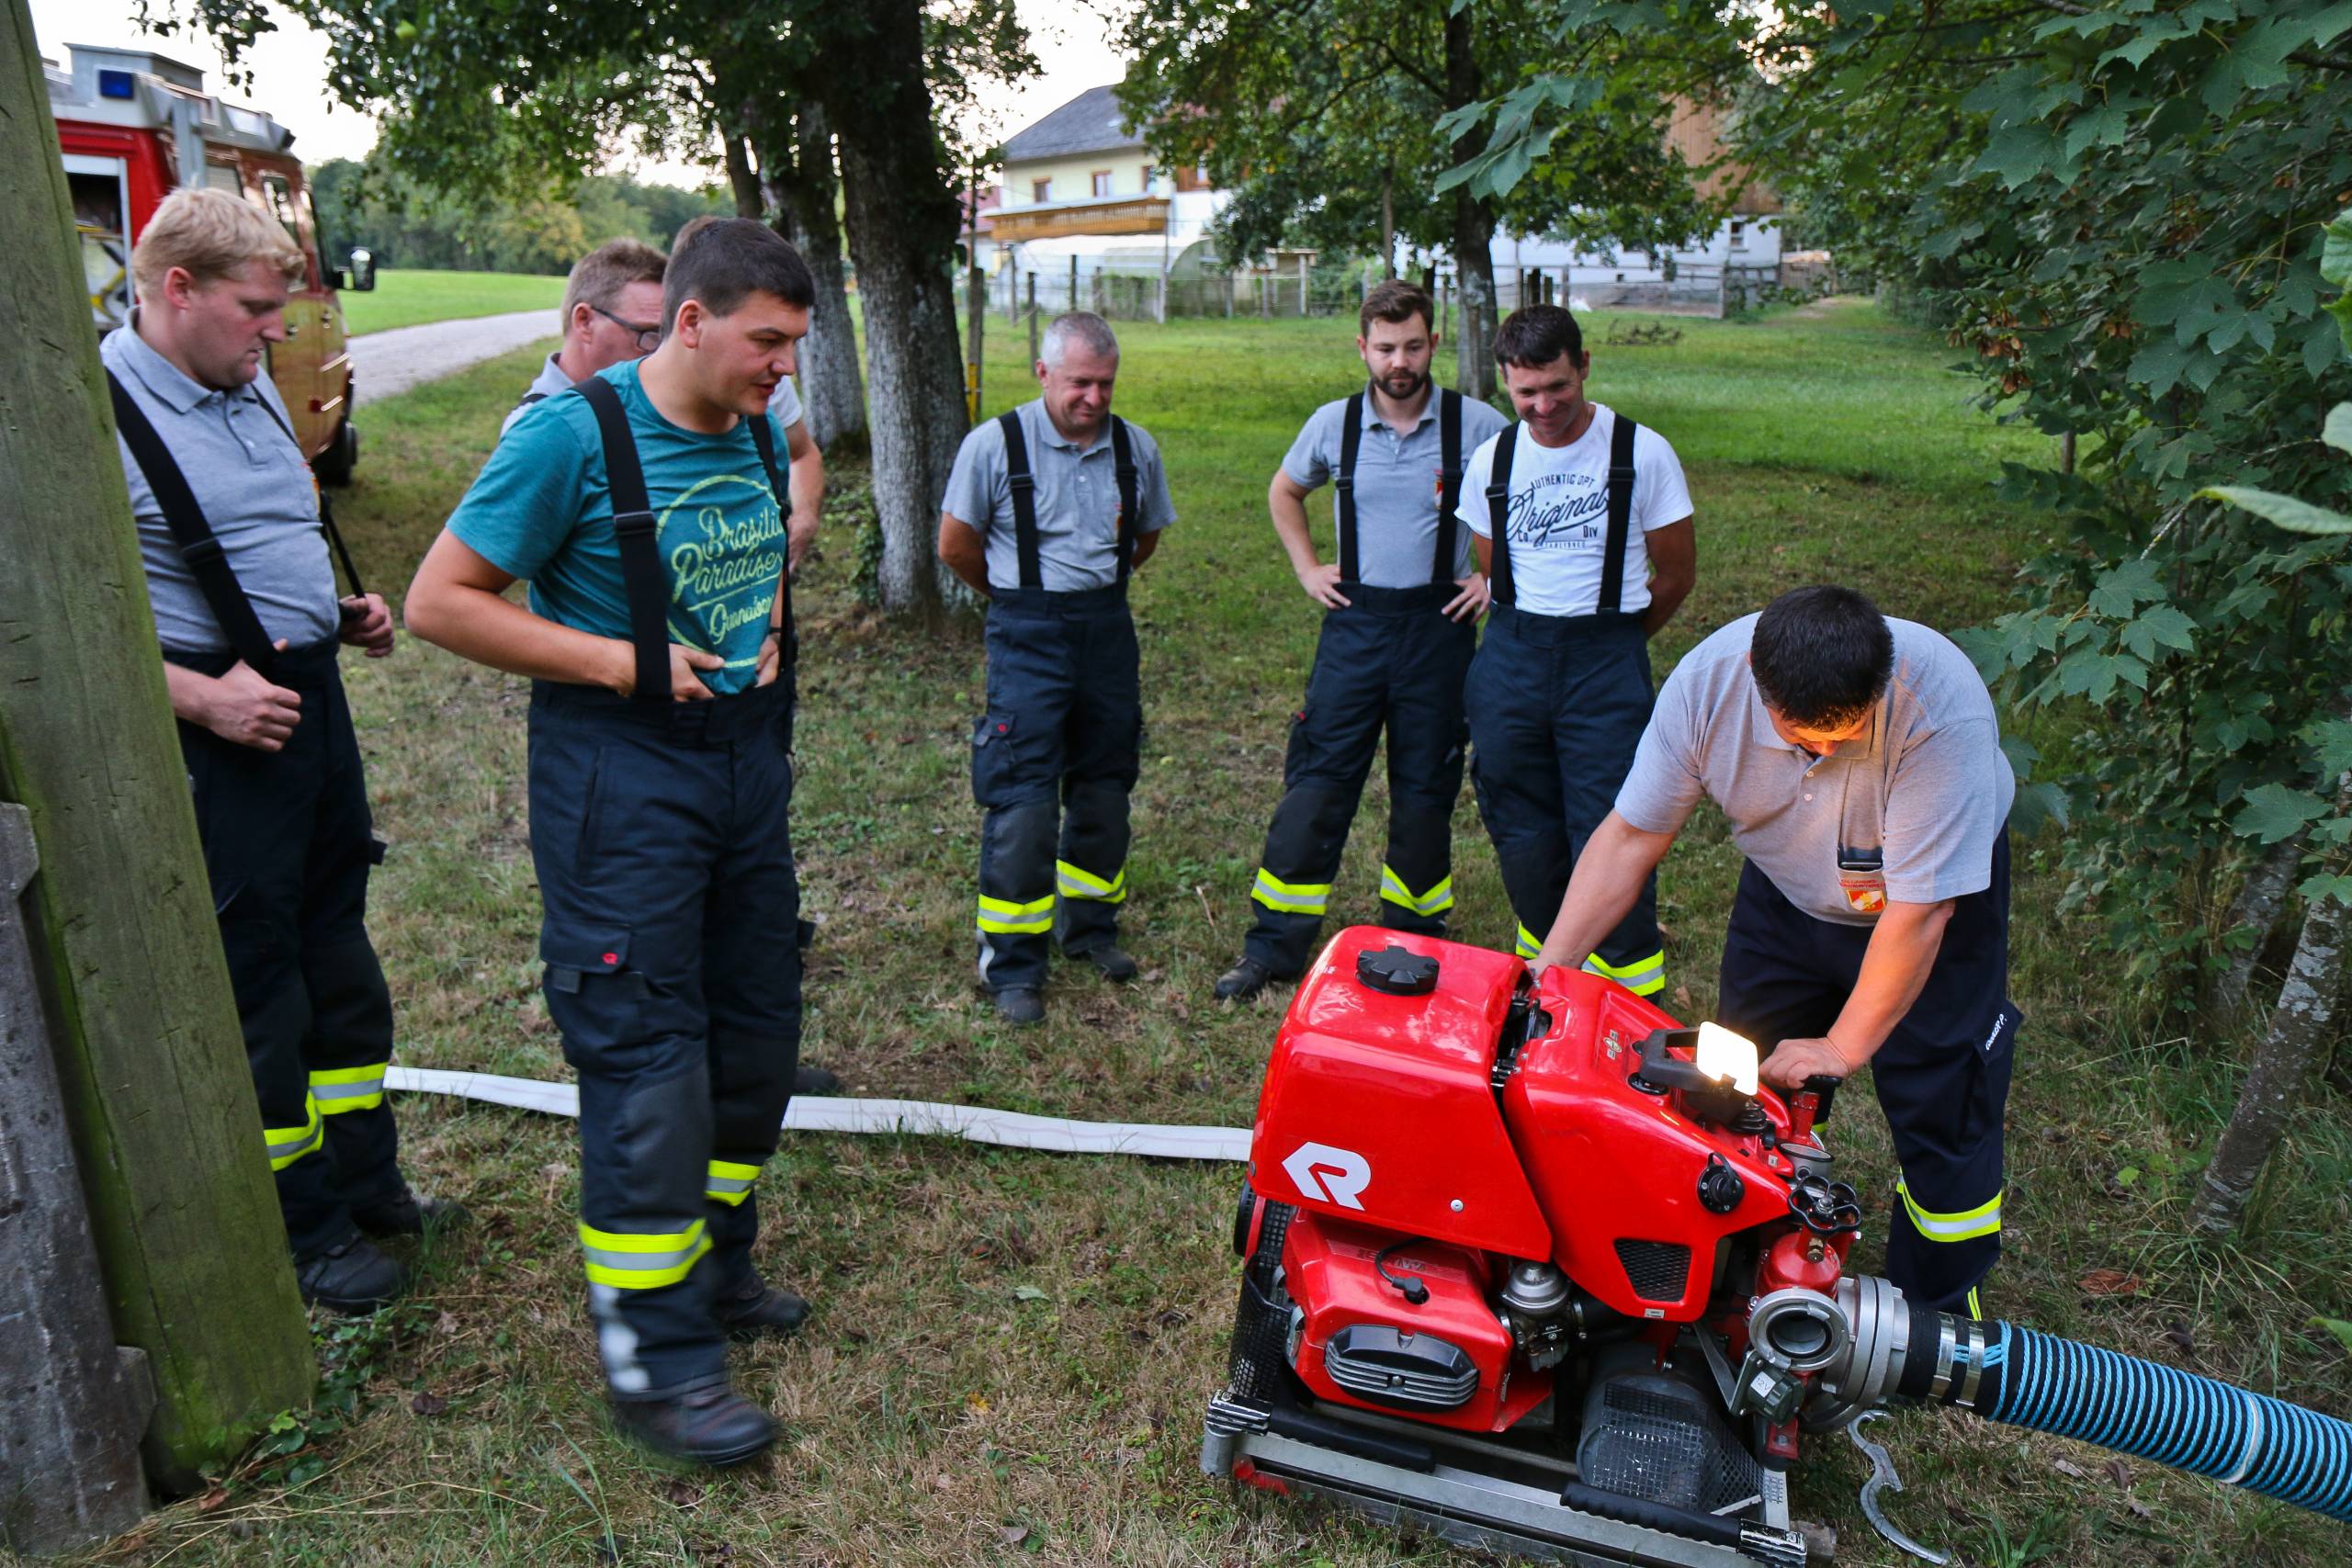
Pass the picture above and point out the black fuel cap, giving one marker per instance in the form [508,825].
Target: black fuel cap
[1398,972]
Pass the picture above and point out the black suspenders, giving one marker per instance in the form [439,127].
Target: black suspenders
[644,582]
[643,579]
[1123,457]
[1621,516]
[1449,480]
[199,547]
[1499,517]
[1449,484]
[1025,499]
[1343,488]
[1024,496]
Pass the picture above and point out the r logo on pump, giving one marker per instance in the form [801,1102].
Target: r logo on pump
[1336,1176]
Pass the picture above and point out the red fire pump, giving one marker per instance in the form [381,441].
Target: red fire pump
[1541,1268]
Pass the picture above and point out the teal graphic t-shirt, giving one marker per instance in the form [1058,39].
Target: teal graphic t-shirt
[542,509]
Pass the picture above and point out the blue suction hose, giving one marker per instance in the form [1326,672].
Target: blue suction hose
[2170,1416]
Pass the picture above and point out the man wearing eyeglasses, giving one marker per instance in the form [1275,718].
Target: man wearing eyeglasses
[612,311]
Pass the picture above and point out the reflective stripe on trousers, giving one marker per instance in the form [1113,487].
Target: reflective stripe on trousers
[1076,882]
[287,1144]
[634,1262]
[1007,917]
[1291,897]
[730,1183]
[1966,1225]
[1643,977]
[349,1089]
[1436,901]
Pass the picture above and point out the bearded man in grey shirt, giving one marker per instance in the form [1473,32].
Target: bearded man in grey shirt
[1859,762]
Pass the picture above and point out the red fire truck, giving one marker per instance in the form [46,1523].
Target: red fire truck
[134,125]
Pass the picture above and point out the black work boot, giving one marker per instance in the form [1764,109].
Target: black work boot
[353,1277]
[1244,980]
[760,1308]
[1020,1005]
[808,1078]
[713,1425]
[1112,961]
[411,1213]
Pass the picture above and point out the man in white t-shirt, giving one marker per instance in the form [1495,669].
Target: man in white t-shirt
[1583,526]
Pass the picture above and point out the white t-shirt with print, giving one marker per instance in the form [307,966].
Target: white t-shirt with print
[1559,514]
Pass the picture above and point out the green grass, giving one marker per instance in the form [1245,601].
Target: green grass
[1011,1349]
[406,298]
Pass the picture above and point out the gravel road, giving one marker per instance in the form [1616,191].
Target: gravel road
[391,362]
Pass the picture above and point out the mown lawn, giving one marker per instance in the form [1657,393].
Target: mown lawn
[405,297]
[1011,1349]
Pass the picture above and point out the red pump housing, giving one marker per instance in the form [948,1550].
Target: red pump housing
[1571,1161]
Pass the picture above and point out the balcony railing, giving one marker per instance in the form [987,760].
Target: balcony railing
[1105,214]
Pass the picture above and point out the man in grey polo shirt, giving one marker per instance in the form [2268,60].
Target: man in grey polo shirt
[217,480]
[1400,610]
[612,311]
[1049,508]
[1859,762]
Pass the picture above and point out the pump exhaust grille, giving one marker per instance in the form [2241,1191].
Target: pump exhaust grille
[1658,1270]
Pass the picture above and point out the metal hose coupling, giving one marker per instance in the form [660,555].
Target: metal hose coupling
[1900,1354]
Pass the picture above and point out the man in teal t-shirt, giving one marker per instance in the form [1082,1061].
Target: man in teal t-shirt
[643,505]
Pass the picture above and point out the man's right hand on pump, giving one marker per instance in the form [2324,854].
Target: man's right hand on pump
[685,684]
[1322,584]
[244,706]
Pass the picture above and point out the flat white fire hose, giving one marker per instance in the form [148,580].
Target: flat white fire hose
[975,1123]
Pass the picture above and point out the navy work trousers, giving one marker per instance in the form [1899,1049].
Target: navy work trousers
[1389,662]
[1556,704]
[288,846]
[1942,1076]
[662,837]
[1054,760]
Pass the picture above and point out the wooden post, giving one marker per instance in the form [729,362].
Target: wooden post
[76,1403]
[151,1063]
[1033,318]
[1073,285]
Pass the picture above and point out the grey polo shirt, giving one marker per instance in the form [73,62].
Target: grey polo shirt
[549,383]
[1077,500]
[1396,485]
[238,453]
[1926,786]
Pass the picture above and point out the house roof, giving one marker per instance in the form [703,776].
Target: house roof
[1090,122]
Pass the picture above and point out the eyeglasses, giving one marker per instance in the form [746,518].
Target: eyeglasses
[647,338]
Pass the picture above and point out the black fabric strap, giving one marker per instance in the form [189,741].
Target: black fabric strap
[1123,457]
[341,550]
[1449,480]
[198,548]
[1499,517]
[1621,516]
[787,642]
[1343,489]
[1025,499]
[642,579]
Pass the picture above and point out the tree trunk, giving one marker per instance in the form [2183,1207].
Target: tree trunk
[800,176]
[748,202]
[1473,228]
[2255,908]
[151,1063]
[2297,1039]
[903,222]
[1388,224]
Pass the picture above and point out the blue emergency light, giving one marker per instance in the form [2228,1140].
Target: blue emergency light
[117,84]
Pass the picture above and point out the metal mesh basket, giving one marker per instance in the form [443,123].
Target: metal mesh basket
[1652,1435]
